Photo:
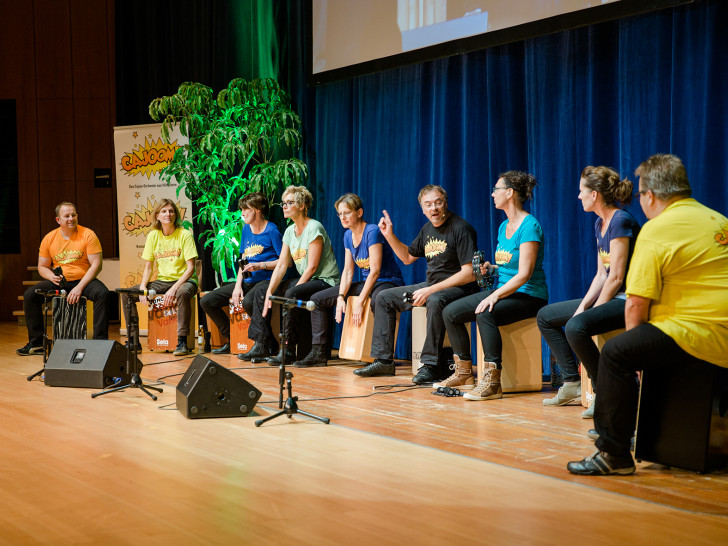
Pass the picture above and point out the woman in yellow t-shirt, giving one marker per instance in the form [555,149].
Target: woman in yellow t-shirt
[173,249]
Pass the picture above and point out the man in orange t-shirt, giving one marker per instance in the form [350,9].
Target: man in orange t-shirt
[77,251]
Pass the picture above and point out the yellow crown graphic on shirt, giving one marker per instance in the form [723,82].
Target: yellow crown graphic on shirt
[299,254]
[433,247]
[362,263]
[604,257]
[67,256]
[252,250]
[502,257]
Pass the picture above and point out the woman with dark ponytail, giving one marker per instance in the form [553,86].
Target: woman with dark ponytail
[568,326]
[520,293]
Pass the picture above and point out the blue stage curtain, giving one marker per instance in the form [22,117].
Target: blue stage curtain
[608,94]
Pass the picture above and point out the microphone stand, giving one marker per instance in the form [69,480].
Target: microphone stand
[47,344]
[135,381]
[284,380]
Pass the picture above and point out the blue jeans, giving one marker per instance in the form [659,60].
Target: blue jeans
[565,332]
[517,306]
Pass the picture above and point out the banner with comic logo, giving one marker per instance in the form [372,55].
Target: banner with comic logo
[140,155]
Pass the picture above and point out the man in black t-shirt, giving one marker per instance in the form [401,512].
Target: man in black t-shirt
[448,243]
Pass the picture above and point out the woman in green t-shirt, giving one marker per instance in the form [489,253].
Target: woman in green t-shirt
[308,245]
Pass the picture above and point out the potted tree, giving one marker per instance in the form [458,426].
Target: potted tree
[241,141]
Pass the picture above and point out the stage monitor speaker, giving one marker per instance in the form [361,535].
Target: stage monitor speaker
[209,390]
[92,363]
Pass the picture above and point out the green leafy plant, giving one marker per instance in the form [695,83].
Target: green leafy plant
[240,142]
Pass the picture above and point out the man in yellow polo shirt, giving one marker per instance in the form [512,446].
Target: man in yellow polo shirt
[676,310]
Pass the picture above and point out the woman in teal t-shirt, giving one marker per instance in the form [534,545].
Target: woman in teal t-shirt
[520,293]
[308,245]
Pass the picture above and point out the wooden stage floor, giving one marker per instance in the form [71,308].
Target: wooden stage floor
[403,465]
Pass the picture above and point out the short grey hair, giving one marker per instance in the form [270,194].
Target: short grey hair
[665,176]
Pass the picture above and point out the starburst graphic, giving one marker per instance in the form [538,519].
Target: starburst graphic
[148,159]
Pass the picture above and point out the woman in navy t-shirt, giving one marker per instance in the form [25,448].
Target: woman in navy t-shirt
[520,293]
[570,325]
[366,249]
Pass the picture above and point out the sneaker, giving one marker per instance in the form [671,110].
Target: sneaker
[592,433]
[489,386]
[181,349]
[30,350]
[602,463]
[569,393]
[378,367]
[588,413]
[426,374]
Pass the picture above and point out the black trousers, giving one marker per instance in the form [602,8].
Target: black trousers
[94,291]
[517,306]
[294,316]
[326,299]
[645,347]
[385,319]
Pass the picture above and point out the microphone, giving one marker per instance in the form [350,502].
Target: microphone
[50,292]
[290,302]
[137,292]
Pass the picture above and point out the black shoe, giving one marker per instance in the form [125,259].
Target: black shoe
[317,357]
[378,367]
[276,360]
[30,350]
[138,347]
[258,350]
[224,350]
[181,349]
[426,374]
[602,464]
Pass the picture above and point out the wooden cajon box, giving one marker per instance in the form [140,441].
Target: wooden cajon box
[419,331]
[72,321]
[162,329]
[356,342]
[216,339]
[522,367]
[239,325]
[587,393]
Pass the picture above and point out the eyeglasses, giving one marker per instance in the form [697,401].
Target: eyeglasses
[431,204]
[288,203]
[496,188]
[346,214]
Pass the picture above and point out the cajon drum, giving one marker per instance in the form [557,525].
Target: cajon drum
[522,367]
[356,341]
[587,392]
[239,325]
[419,331]
[162,334]
[72,321]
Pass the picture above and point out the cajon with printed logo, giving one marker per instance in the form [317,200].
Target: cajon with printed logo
[356,341]
[521,356]
[240,323]
[162,333]
[587,392]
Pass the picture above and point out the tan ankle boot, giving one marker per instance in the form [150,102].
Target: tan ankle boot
[489,386]
[462,377]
